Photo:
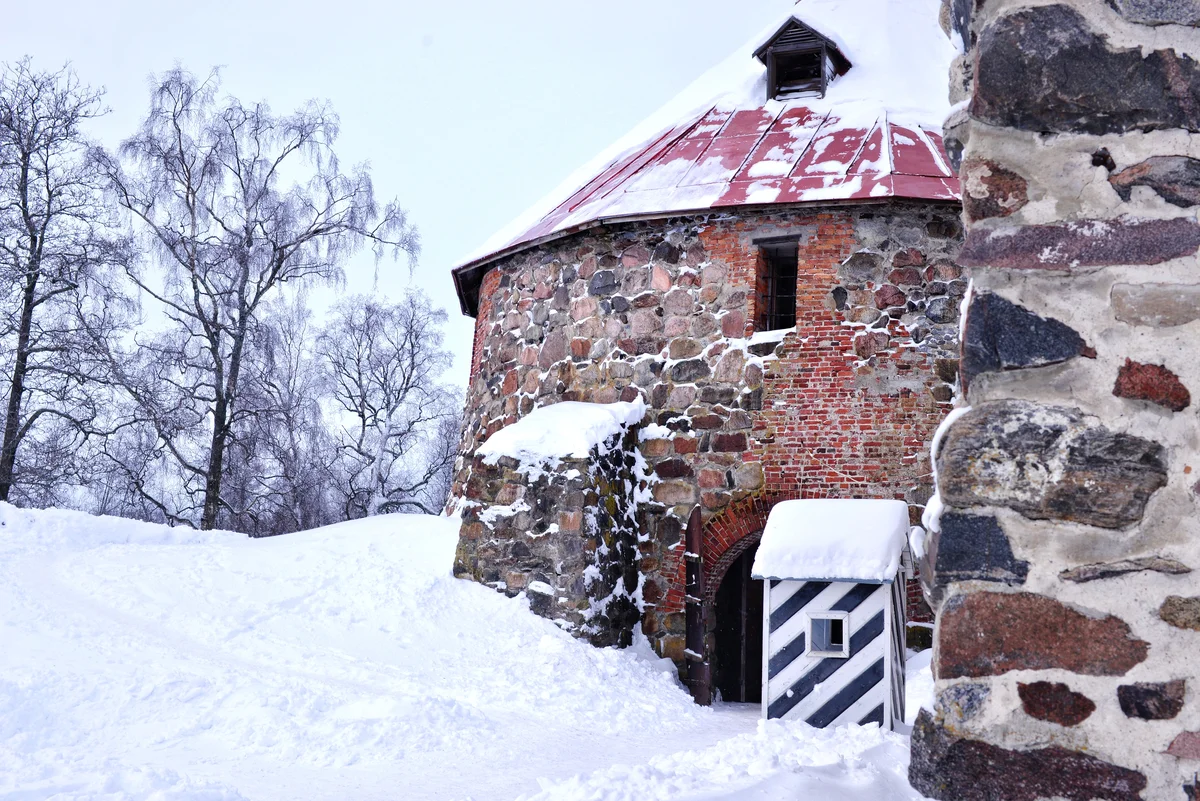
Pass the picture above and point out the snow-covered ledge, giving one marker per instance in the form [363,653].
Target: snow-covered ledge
[550,510]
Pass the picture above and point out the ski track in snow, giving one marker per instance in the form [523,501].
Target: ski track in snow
[142,663]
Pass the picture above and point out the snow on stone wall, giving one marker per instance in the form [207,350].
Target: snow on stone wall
[565,430]
[552,512]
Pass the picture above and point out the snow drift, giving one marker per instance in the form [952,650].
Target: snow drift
[143,662]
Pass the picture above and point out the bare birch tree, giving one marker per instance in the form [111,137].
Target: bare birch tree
[235,202]
[56,254]
[290,449]
[399,431]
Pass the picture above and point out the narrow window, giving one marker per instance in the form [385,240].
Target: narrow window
[827,634]
[777,288]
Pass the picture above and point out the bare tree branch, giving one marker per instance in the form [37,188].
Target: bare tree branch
[57,254]
[234,203]
[385,364]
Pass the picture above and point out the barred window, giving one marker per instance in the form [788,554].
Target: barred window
[777,285]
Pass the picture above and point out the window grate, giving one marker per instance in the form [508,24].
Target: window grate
[780,270]
[799,72]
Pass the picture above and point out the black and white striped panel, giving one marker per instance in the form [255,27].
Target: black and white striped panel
[822,690]
[898,653]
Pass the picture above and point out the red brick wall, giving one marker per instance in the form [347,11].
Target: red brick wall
[918,611]
[832,425]
[483,320]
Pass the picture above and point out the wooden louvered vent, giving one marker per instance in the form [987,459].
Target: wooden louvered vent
[800,62]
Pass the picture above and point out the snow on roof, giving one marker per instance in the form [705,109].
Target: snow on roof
[721,143]
[566,430]
[840,539]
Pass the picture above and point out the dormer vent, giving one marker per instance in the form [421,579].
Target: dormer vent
[800,62]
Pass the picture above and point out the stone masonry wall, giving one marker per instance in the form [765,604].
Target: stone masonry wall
[842,406]
[564,534]
[1063,574]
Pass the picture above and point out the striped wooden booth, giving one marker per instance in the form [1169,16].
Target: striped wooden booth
[833,612]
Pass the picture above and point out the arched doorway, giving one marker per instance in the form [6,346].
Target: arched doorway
[737,615]
[712,549]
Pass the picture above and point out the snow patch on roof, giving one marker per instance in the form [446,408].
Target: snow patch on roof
[900,58]
[840,539]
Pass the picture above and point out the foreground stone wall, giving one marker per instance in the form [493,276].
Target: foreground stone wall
[841,406]
[1068,634]
[566,535]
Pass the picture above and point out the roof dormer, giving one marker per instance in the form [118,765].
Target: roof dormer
[800,62]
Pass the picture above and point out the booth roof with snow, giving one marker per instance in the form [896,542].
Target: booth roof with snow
[833,623]
[766,269]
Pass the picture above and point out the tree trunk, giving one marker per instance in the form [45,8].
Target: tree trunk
[216,461]
[222,415]
[16,392]
[377,489]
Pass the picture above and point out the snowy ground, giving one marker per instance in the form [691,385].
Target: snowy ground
[139,662]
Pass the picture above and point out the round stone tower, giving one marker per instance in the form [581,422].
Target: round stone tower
[769,265]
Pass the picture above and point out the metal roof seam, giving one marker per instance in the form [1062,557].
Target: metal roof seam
[851,161]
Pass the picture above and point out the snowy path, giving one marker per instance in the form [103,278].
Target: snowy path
[139,662]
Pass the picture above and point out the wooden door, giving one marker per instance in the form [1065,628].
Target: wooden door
[738,610]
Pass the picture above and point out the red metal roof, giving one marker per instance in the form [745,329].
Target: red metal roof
[875,135]
[753,157]
[756,157]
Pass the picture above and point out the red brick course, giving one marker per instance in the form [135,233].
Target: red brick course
[483,320]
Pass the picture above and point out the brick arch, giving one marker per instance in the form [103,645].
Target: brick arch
[727,535]
[713,576]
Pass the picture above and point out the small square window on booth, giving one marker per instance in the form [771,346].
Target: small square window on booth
[827,634]
[778,267]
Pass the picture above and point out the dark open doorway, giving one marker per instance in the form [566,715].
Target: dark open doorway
[738,613]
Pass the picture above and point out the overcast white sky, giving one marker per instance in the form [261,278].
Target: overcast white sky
[467,112]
